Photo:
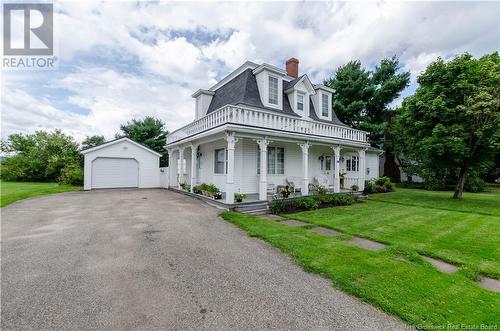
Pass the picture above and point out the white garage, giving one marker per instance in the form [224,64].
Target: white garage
[121,163]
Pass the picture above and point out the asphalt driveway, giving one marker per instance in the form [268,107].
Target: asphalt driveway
[154,259]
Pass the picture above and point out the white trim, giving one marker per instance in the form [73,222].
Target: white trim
[324,88]
[110,143]
[307,82]
[329,105]
[256,132]
[265,66]
[202,91]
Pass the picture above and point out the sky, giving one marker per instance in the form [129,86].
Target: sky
[124,60]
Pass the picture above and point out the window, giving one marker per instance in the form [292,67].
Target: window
[324,105]
[326,163]
[352,163]
[220,161]
[273,90]
[300,102]
[275,161]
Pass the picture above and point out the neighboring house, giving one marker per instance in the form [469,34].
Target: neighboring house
[262,127]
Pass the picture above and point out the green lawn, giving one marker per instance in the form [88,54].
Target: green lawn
[463,232]
[396,279]
[13,191]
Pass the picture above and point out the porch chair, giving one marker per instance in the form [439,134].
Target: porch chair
[295,183]
[322,180]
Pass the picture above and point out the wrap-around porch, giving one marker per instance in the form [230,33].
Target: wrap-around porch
[260,166]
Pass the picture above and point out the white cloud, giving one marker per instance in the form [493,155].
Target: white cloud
[122,60]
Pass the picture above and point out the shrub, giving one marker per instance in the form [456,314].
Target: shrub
[369,187]
[277,206]
[379,185]
[71,174]
[355,188]
[306,203]
[186,187]
[474,184]
[197,189]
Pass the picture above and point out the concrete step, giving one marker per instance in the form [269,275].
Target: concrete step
[256,211]
[251,207]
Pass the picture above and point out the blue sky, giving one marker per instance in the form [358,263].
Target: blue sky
[124,60]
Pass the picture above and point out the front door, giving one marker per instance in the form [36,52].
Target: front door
[327,168]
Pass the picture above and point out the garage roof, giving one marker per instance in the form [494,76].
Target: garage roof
[116,141]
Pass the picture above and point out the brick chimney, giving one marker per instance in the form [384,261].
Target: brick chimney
[292,67]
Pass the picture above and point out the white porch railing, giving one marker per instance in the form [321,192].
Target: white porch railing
[350,181]
[263,119]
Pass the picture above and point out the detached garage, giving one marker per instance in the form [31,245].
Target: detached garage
[121,163]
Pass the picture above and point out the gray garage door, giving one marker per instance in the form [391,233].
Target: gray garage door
[115,173]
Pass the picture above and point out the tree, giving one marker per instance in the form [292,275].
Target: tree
[39,157]
[149,132]
[92,141]
[451,124]
[362,100]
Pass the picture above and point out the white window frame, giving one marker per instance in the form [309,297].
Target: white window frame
[352,163]
[272,170]
[322,97]
[303,96]
[324,162]
[215,161]
[269,78]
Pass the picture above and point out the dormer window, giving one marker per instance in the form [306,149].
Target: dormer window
[324,105]
[273,90]
[300,102]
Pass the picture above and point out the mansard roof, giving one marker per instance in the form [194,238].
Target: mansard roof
[242,90]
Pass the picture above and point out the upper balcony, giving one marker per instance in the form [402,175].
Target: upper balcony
[261,118]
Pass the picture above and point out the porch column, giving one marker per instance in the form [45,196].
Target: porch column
[180,167]
[263,143]
[362,169]
[305,167]
[336,180]
[194,152]
[231,142]
[170,158]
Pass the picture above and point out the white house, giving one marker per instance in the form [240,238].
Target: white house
[262,127]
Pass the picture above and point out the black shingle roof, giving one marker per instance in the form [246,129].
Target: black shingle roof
[243,90]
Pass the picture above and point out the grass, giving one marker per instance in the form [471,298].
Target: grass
[433,224]
[14,191]
[397,279]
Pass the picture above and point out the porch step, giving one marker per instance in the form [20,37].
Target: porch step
[254,207]
[257,212]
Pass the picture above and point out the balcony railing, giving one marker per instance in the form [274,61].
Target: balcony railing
[263,119]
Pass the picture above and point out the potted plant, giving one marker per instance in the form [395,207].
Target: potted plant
[342,177]
[285,191]
[239,197]
[355,188]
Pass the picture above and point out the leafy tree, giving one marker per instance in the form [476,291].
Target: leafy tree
[39,157]
[149,132]
[451,124]
[362,100]
[92,141]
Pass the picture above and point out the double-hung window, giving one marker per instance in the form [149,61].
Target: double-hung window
[324,105]
[352,163]
[275,161]
[220,161]
[273,90]
[300,102]
[326,163]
